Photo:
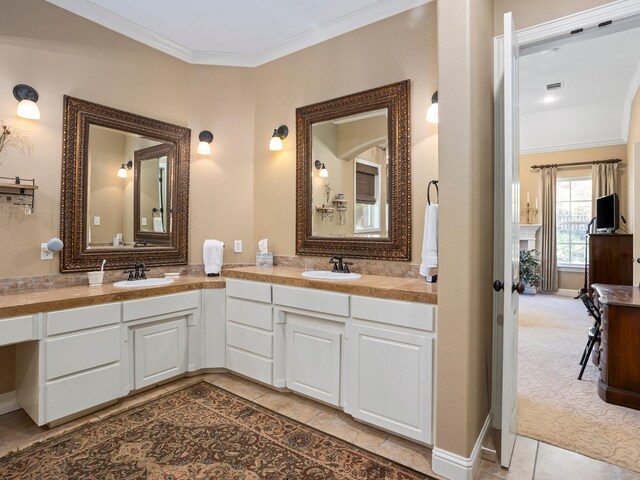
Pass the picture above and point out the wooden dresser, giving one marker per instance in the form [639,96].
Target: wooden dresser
[610,259]
[620,347]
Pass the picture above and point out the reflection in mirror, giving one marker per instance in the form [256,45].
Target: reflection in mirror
[151,197]
[350,187]
[112,197]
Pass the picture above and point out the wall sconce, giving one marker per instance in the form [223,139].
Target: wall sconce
[122,173]
[432,112]
[27,96]
[204,147]
[324,173]
[279,134]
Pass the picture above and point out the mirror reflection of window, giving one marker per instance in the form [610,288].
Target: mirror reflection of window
[351,200]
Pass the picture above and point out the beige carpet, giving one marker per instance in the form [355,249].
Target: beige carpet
[555,407]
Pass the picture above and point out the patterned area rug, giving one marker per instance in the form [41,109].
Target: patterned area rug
[553,405]
[200,432]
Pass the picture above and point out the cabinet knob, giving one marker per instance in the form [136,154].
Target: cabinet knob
[600,349]
[600,368]
[601,329]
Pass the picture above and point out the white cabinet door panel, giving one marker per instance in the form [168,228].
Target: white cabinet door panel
[83,318]
[391,376]
[17,329]
[313,362]
[250,339]
[160,351]
[250,365]
[256,315]
[73,394]
[82,351]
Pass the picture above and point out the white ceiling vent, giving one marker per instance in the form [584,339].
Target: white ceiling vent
[555,86]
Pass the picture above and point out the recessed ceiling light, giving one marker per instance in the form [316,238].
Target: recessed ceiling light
[549,99]
[550,52]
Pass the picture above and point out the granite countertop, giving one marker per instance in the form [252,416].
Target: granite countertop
[622,295]
[378,286]
[36,301]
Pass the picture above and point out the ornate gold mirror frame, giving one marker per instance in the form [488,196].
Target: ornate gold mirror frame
[397,246]
[79,115]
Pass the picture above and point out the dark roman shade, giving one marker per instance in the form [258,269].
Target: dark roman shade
[366,184]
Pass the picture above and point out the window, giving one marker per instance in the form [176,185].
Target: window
[573,214]
[367,206]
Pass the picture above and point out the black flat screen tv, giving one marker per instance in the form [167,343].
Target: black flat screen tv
[607,214]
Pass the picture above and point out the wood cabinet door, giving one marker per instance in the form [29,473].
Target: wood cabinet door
[391,380]
[313,361]
[160,351]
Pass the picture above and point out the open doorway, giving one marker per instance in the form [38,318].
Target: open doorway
[579,104]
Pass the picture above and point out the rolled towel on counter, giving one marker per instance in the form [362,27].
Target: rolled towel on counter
[429,267]
[212,255]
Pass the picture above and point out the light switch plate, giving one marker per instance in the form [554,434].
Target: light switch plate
[143,221]
[96,221]
[237,246]
[45,253]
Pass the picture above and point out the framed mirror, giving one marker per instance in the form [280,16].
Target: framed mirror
[125,189]
[353,171]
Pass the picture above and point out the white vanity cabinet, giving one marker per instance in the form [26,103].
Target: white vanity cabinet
[391,359]
[76,366]
[161,345]
[249,330]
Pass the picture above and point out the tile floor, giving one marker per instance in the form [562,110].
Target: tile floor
[531,459]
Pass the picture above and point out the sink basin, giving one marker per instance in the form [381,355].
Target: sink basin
[326,275]
[148,282]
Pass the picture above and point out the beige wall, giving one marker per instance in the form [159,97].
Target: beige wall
[398,48]
[633,149]
[463,401]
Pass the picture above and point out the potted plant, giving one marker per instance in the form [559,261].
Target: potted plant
[529,264]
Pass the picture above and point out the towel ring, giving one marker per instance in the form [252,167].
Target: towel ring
[435,184]
[155,210]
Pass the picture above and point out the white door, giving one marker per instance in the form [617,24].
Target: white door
[507,219]
[313,361]
[391,380]
[634,195]
[160,351]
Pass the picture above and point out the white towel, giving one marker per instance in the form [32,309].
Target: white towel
[212,254]
[157,225]
[430,242]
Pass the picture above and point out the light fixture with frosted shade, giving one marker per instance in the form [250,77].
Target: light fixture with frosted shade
[122,172]
[27,96]
[432,112]
[204,147]
[279,134]
[324,173]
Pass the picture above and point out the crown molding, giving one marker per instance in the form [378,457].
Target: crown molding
[352,21]
[573,146]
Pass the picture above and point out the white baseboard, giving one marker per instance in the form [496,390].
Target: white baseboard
[455,467]
[565,292]
[8,403]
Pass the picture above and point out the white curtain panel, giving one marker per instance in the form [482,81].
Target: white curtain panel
[549,260]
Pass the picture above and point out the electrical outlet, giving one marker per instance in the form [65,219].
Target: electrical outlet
[96,221]
[237,246]
[143,221]
[45,253]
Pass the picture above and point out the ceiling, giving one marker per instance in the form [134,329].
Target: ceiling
[600,77]
[238,33]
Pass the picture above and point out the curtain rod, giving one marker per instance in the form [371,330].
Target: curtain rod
[573,164]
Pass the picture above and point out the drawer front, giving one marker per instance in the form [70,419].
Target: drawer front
[74,319]
[251,366]
[82,351]
[249,339]
[314,300]
[257,291]
[160,305]
[17,329]
[255,315]
[73,394]
[420,316]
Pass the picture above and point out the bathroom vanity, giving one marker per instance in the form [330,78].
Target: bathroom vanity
[343,343]
[337,343]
